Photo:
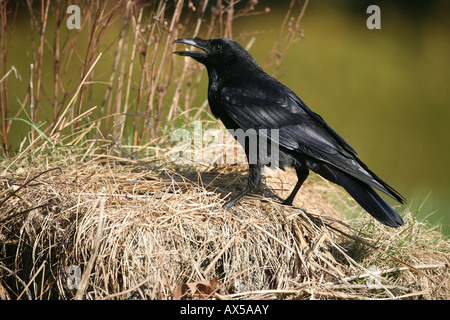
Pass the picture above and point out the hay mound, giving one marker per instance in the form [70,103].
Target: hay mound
[127,231]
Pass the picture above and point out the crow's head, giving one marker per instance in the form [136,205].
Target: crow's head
[221,55]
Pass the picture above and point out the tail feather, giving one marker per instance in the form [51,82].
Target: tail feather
[369,199]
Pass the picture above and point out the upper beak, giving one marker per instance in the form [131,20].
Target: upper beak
[191,42]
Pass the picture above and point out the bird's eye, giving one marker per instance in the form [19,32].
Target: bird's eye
[217,48]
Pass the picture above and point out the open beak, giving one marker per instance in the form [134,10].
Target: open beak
[196,42]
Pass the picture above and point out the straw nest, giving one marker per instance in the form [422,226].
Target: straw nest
[111,230]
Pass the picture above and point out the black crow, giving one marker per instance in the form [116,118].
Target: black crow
[244,97]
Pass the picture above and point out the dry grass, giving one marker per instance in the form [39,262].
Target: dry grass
[137,231]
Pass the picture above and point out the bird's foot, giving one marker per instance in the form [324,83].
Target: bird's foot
[229,209]
[228,206]
[287,202]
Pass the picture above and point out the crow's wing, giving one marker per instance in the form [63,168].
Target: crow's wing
[300,129]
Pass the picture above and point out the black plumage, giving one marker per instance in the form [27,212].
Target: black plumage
[244,97]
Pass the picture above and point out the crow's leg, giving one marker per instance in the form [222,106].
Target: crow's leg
[302,174]
[254,180]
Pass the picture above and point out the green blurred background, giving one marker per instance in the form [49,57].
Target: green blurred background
[387,91]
